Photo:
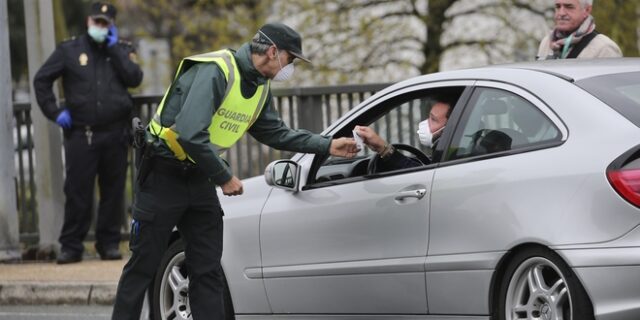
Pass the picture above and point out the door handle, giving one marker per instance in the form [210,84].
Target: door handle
[418,193]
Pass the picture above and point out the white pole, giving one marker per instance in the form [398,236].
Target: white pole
[39,25]
[9,232]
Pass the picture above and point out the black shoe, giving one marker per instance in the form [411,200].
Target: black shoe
[66,257]
[110,254]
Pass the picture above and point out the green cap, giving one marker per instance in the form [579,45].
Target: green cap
[283,37]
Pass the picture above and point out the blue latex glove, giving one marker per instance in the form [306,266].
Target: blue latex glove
[64,119]
[112,36]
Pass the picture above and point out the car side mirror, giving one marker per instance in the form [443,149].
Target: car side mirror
[283,174]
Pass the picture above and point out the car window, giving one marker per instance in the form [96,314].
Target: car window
[398,125]
[498,120]
[620,91]
[396,121]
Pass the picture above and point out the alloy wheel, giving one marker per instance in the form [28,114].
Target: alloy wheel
[538,290]
[174,290]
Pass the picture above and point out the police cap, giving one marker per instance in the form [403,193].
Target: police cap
[105,11]
[283,37]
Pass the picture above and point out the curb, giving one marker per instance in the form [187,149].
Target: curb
[34,293]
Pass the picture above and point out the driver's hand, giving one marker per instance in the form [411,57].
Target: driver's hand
[371,138]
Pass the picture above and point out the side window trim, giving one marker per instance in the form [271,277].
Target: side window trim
[531,98]
[463,118]
[453,123]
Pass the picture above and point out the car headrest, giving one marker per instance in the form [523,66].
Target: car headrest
[490,141]
[494,106]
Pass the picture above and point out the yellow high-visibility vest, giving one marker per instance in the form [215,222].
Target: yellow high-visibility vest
[231,120]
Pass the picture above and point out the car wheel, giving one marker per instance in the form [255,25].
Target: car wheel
[538,284]
[171,288]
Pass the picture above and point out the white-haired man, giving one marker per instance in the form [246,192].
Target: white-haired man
[575,35]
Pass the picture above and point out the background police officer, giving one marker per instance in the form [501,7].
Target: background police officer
[96,69]
[215,98]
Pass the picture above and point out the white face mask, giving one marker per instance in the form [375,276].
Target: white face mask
[284,73]
[98,34]
[424,134]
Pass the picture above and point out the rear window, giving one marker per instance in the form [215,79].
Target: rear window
[620,91]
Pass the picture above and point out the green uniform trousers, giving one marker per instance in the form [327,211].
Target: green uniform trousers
[174,194]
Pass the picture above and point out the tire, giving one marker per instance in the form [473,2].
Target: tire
[147,309]
[172,302]
[557,293]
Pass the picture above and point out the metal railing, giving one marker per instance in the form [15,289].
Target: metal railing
[312,108]
[24,161]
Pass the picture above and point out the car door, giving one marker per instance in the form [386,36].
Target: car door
[480,190]
[349,248]
[356,245]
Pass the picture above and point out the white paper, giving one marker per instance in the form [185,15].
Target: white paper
[358,139]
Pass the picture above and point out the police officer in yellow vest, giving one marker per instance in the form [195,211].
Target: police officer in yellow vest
[215,98]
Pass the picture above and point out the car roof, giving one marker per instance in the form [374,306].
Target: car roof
[578,69]
[571,70]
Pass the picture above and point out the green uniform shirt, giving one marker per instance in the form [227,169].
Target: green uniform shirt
[195,97]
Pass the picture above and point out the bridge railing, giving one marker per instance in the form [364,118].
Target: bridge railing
[311,108]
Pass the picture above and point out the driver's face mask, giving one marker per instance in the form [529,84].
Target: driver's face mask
[285,72]
[425,135]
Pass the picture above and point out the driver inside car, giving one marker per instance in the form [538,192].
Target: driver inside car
[429,132]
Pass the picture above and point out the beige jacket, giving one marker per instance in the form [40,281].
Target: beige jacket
[600,47]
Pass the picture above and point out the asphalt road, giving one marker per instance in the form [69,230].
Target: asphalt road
[93,312]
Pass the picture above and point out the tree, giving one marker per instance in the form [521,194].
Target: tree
[196,26]
[17,42]
[618,19]
[387,40]
[69,18]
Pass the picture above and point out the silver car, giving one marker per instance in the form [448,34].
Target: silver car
[527,208]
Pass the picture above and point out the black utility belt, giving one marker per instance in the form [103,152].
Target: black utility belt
[100,127]
[175,168]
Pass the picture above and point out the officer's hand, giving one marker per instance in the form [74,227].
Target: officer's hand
[112,36]
[343,147]
[232,187]
[64,119]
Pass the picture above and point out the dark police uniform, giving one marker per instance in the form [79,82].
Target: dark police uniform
[183,194]
[95,80]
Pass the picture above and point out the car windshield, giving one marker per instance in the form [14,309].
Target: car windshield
[621,91]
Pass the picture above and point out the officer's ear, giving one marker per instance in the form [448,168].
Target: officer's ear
[273,52]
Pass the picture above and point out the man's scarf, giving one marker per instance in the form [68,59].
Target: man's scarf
[559,38]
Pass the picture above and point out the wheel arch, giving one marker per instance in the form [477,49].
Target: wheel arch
[501,267]
[175,236]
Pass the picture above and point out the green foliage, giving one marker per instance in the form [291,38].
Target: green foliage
[70,18]
[17,40]
[348,40]
[618,19]
[196,26]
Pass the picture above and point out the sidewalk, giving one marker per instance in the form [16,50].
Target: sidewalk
[91,281]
